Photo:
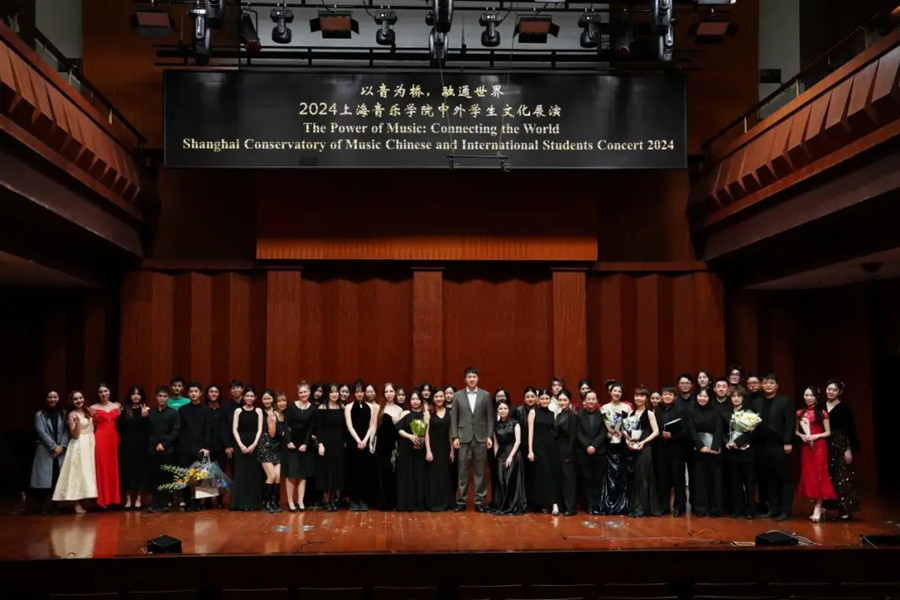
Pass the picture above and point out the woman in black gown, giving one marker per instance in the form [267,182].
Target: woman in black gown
[411,463]
[501,395]
[706,430]
[360,463]
[616,487]
[509,495]
[544,454]
[246,427]
[300,462]
[330,433]
[565,428]
[644,497]
[439,455]
[385,445]
[842,444]
[134,470]
[520,414]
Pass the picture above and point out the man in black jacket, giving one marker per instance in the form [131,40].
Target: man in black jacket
[670,417]
[163,425]
[193,436]
[774,447]
[591,452]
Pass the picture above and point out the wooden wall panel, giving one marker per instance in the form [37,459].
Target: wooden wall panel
[284,331]
[428,326]
[193,326]
[569,326]
[502,326]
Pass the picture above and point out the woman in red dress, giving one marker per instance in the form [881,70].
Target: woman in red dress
[106,447]
[812,428]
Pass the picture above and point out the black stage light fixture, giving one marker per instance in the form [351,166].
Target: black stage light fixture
[215,13]
[667,45]
[334,24]
[152,23]
[282,16]
[200,38]
[441,15]
[661,15]
[385,19]
[534,29]
[437,46]
[249,33]
[490,20]
[590,25]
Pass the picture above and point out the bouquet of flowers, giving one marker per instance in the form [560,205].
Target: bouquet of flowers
[632,426]
[743,421]
[418,430]
[204,475]
[613,420]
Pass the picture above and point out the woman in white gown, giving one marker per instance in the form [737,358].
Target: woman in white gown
[78,478]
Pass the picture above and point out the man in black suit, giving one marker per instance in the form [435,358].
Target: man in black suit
[670,416]
[193,436]
[163,425]
[591,452]
[774,447]
[472,420]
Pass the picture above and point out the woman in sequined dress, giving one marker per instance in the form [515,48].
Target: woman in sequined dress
[842,446]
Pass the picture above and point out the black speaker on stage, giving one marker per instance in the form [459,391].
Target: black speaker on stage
[164,544]
[775,538]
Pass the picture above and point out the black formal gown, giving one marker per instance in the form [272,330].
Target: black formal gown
[246,486]
[360,479]
[509,497]
[520,414]
[440,479]
[385,456]
[297,464]
[565,429]
[411,468]
[644,497]
[330,426]
[547,471]
[843,437]
[616,488]
[134,463]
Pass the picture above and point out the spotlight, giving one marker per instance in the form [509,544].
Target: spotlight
[152,23]
[200,40]
[437,45]
[590,24]
[661,13]
[249,35]
[385,36]
[281,33]
[334,24]
[215,13]
[667,45]
[490,19]
[535,29]
[442,15]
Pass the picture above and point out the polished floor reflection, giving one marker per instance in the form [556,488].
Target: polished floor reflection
[124,533]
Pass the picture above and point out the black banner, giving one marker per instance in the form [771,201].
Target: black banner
[420,120]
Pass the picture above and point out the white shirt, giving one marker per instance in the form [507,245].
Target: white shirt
[473,396]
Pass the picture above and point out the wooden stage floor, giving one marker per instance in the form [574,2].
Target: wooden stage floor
[221,532]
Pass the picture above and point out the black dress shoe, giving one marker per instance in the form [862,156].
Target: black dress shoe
[460,508]
[749,516]
[569,513]
[768,515]
[676,513]
[783,517]
[545,511]
[480,509]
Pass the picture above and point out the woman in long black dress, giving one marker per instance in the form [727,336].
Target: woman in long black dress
[411,463]
[565,428]
[842,444]
[616,487]
[300,462]
[425,392]
[134,467]
[501,395]
[330,433]
[385,446]
[247,428]
[520,414]
[544,454]
[706,429]
[439,455]
[644,497]
[509,495]
[360,478]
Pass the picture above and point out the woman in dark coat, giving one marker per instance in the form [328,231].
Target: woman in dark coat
[52,439]
[134,467]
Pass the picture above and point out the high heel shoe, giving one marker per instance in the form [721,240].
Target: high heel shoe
[817,516]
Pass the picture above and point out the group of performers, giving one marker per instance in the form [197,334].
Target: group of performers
[728,441]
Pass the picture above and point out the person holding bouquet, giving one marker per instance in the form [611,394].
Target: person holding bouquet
[411,464]
[163,426]
[842,445]
[640,430]
[740,458]
[616,489]
[813,428]
[544,454]
[706,425]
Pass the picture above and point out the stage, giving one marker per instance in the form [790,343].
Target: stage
[120,533]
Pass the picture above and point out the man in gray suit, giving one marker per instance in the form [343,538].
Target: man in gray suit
[472,429]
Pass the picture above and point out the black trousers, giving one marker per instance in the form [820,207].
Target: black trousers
[159,477]
[742,475]
[671,476]
[706,485]
[593,470]
[569,484]
[776,470]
